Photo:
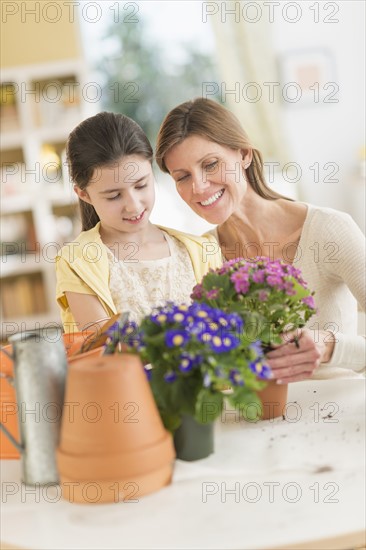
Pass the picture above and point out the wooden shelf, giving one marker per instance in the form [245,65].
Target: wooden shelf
[32,150]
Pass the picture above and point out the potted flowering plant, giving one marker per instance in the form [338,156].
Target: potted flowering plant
[191,354]
[271,297]
[272,293]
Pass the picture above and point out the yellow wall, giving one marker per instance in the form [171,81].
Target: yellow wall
[28,38]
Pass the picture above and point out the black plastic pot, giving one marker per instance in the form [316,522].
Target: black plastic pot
[193,440]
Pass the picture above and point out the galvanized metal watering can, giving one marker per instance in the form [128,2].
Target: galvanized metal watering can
[40,366]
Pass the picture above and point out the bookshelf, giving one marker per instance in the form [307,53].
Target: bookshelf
[39,105]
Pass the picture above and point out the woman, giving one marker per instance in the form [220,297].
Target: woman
[220,176]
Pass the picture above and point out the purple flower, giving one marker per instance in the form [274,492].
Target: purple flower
[262,371]
[197,293]
[274,280]
[235,378]
[258,276]
[175,338]
[241,282]
[309,301]
[212,294]
[257,347]
[170,376]
[148,371]
[186,363]
[289,288]
[226,342]
[206,380]
[263,295]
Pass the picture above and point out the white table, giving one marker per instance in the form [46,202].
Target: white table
[295,483]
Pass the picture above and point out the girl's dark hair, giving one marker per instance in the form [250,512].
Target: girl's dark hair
[206,118]
[102,140]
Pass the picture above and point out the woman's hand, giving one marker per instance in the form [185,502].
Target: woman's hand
[298,357]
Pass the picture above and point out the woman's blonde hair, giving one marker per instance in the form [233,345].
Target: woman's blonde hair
[206,118]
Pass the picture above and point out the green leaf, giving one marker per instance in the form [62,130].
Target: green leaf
[301,292]
[247,403]
[208,406]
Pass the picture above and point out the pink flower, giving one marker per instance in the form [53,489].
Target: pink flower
[212,294]
[262,296]
[258,276]
[241,282]
[197,293]
[309,301]
[274,280]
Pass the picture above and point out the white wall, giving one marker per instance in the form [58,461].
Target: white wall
[325,132]
[315,132]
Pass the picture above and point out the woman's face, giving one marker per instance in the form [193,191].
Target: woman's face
[210,178]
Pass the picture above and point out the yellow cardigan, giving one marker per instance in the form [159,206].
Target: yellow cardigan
[82,266]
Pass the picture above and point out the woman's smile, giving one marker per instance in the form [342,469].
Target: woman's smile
[213,199]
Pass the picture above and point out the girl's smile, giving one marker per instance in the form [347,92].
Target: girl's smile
[135,219]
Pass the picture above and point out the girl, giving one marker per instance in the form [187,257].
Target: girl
[220,176]
[121,261]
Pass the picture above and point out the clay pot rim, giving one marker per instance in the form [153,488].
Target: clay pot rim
[159,454]
[147,484]
[89,363]
[128,477]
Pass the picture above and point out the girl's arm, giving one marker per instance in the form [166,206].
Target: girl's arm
[86,310]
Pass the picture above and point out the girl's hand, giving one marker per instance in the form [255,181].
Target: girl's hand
[298,357]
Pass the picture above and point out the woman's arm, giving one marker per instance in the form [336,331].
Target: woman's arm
[291,363]
[86,310]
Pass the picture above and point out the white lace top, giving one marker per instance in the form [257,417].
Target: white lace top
[138,286]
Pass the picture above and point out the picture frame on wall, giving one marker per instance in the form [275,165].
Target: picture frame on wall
[308,78]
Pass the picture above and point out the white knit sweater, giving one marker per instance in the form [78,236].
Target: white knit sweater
[331,257]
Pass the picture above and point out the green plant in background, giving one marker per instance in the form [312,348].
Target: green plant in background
[141,84]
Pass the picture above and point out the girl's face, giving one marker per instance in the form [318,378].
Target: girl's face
[122,194]
[210,178]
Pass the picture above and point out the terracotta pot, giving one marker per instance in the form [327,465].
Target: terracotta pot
[8,406]
[113,445]
[97,352]
[274,399]
[75,340]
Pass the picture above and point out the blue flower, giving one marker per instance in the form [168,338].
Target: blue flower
[178,317]
[176,338]
[206,380]
[236,322]
[186,362]
[159,318]
[266,372]
[257,347]
[223,343]
[170,376]
[235,378]
[148,371]
[219,372]
[113,330]
[129,328]
[262,371]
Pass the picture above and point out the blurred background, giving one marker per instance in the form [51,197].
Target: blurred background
[293,73]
